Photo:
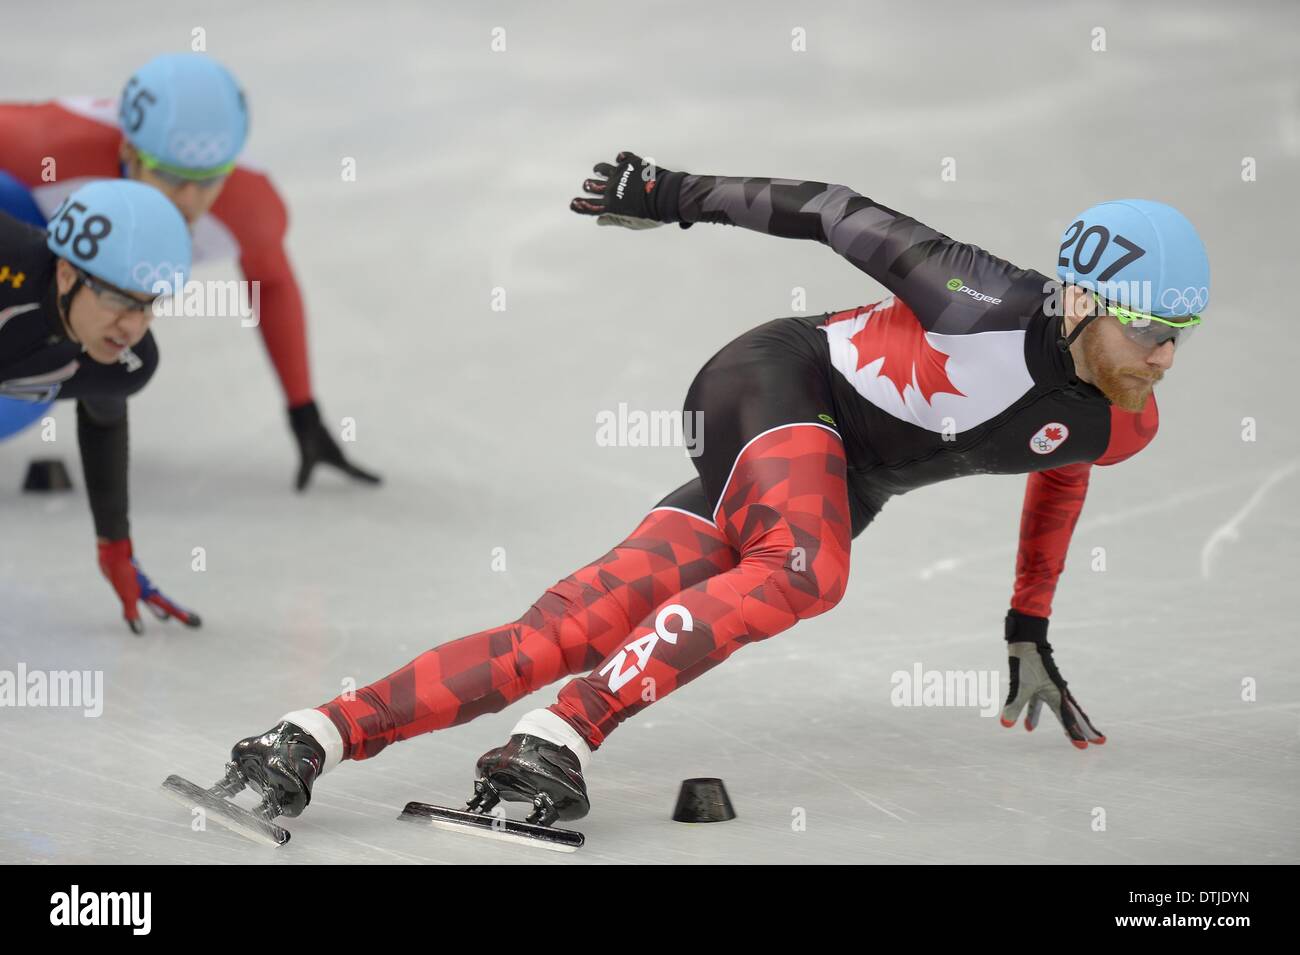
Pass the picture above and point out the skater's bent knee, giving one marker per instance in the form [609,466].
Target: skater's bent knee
[792,592]
[814,589]
[799,573]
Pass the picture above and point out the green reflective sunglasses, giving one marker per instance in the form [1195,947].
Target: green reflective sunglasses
[1151,331]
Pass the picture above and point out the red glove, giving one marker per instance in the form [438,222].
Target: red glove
[118,564]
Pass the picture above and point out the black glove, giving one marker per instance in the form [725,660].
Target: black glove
[317,446]
[631,193]
[1035,680]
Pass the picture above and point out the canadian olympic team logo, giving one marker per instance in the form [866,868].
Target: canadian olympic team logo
[1048,438]
[1189,299]
[198,150]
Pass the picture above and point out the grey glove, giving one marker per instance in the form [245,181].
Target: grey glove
[1035,680]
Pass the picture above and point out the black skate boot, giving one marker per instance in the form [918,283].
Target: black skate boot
[531,769]
[281,766]
[527,769]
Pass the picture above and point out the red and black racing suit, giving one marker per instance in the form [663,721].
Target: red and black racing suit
[811,424]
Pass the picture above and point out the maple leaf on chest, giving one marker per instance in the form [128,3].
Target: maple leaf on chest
[895,335]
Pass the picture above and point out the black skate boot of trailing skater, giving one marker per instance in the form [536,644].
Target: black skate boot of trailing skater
[531,769]
[280,765]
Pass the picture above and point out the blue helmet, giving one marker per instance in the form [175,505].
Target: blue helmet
[123,232]
[186,113]
[1140,254]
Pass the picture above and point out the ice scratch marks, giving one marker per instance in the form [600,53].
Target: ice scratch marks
[1229,530]
[1168,502]
[803,766]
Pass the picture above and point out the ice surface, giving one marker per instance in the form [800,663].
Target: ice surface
[484,423]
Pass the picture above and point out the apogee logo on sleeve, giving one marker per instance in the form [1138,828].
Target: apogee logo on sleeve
[957,285]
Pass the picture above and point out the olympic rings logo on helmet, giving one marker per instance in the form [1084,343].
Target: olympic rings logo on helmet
[198,150]
[149,276]
[1191,298]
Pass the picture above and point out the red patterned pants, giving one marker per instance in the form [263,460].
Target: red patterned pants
[757,543]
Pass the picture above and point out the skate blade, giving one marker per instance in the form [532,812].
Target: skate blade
[224,812]
[493,827]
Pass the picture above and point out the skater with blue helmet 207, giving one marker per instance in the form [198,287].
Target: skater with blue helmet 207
[75,308]
[970,365]
[1144,266]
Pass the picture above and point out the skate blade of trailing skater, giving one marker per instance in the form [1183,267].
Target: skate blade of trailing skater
[493,827]
[216,805]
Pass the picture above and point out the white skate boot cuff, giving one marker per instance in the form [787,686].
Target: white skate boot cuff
[546,725]
[323,731]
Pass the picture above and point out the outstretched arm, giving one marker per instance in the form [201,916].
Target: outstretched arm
[251,208]
[909,258]
[103,437]
[1053,501]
